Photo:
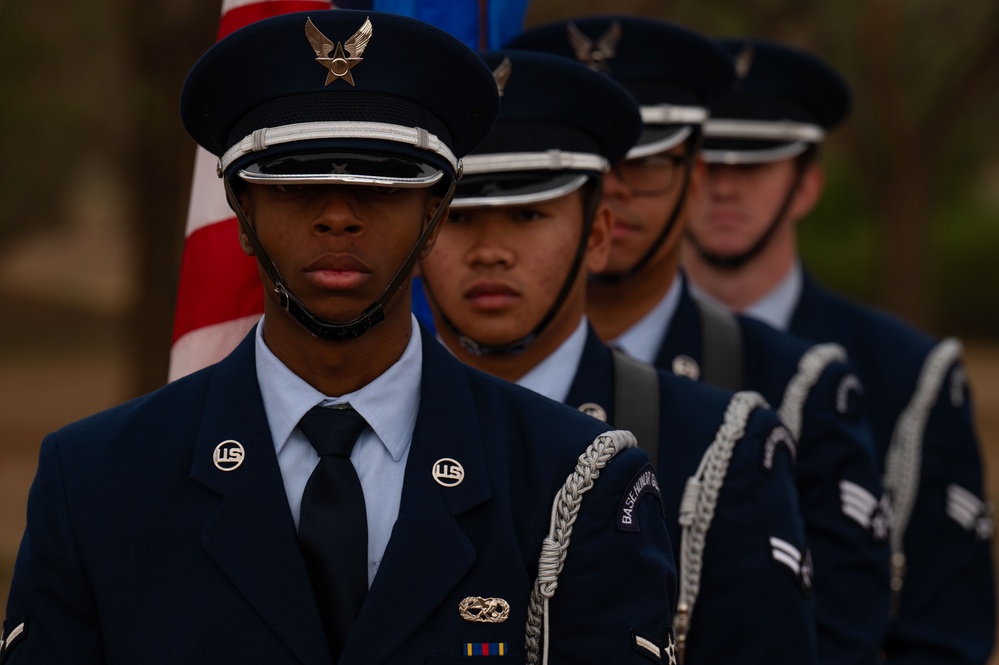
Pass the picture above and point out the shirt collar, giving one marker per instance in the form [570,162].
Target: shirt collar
[642,340]
[389,404]
[553,376]
[775,307]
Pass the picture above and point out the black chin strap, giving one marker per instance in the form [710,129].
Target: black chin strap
[693,148]
[739,260]
[519,345]
[371,316]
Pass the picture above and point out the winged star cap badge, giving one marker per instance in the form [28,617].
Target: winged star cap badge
[595,56]
[502,74]
[339,65]
[744,62]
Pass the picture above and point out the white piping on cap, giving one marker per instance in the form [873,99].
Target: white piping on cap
[550,160]
[266,137]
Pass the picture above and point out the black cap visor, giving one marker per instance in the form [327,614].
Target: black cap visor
[659,138]
[515,188]
[750,151]
[343,167]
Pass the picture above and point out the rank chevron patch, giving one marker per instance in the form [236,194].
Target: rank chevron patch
[790,557]
[865,509]
[969,511]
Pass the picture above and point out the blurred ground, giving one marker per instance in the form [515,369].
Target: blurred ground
[46,382]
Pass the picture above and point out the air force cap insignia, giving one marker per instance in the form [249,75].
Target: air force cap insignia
[339,65]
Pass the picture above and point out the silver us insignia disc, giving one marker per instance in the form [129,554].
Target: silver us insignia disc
[686,366]
[594,410]
[228,455]
[448,472]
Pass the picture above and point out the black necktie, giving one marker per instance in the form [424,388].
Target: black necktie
[333,525]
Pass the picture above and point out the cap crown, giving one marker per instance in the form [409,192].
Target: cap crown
[389,69]
[658,62]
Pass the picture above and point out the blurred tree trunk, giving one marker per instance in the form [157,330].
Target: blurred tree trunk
[162,40]
[901,144]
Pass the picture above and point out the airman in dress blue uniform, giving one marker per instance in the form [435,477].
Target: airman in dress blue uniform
[339,488]
[640,303]
[506,282]
[761,144]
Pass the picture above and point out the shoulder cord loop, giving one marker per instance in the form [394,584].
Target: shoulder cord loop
[697,508]
[565,509]
[903,463]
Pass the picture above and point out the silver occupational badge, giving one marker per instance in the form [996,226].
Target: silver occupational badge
[339,66]
[448,473]
[228,455]
[484,610]
[594,410]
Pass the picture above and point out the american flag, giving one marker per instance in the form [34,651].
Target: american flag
[219,297]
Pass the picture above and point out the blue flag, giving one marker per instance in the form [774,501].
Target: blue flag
[480,24]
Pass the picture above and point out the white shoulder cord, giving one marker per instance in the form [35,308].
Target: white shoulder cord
[903,462]
[810,368]
[565,509]
[697,508]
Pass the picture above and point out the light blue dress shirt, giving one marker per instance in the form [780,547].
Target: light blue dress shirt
[642,340]
[389,404]
[553,376]
[774,308]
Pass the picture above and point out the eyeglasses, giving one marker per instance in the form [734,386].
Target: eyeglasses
[652,175]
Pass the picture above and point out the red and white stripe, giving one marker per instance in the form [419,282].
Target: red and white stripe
[219,297]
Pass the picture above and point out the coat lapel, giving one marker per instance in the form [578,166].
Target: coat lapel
[683,337]
[429,552]
[251,535]
[810,318]
[594,380]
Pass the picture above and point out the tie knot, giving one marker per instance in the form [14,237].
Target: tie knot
[332,431]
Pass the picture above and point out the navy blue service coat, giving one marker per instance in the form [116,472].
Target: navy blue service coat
[945,612]
[139,550]
[751,608]
[836,467]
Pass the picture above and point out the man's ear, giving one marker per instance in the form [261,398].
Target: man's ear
[435,203]
[696,188]
[598,245]
[243,199]
[813,182]
[244,242]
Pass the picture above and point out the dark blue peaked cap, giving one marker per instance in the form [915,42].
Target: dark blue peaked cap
[782,100]
[674,73]
[558,121]
[319,81]
[551,103]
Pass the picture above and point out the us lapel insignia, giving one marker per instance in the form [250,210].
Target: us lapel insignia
[595,56]
[686,366]
[339,65]
[228,455]
[502,74]
[594,410]
[448,472]
[484,610]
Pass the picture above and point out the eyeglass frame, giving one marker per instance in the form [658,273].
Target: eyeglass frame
[676,162]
